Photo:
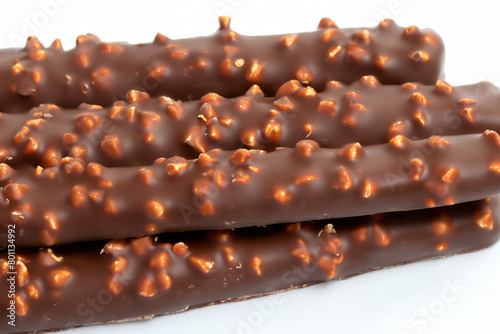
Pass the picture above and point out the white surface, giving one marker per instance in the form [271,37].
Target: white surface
[382,302]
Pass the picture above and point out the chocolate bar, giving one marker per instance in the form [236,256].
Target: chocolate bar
[228,63]
[230,189]
[119,280]
[138,132]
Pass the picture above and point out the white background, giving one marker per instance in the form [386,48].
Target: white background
[379,302]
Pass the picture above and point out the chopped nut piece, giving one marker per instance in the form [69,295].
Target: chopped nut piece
[59,278]
[206,160]
[419,98]
[15,191]
[155,209]
[224,22]
[442,246]
[5,171]
[180,249]
[51,221]
[160,260]
[288,88]
[111,146]
[22,273]
[174,168]
[149,120]
[229,253]
[119,265]
[101,78]
[94,169]
[249,138]
[255,72]
[201,264]
[81,60]
[22,307]
[450,175]
[256,265]
[484,218]
[304,75]
[419,56]
[255,91]
[110,206]
[114,246]
[78,196]
[146,288]
[272,130]
[305,178]
[87,123]
[420,118]
[283,104]
[382,238]
[326,23]
[398,141]
[342,180]
[368,189]
[418,169]
[435,141]
[356,52]
[146,175]
[33,291]
[361,234]
[289,40]
[141,245]
[493,136]
[305,148]
[164,281]
[443,87]
[362,36]
[207,208]
[327,106]
[302,253]
[494,167]
[380,61]
[334,52]
[110,49]
[114,286]
[281,195]
[369,81]
[329,265]
[442,225]
[469,114]
[351,151]
[135,96]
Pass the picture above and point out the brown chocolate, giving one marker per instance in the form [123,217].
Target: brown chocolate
[99,282]
[139,131]
[230,189]
[228,63]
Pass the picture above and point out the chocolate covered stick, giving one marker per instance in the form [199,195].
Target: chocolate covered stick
[230,189]
[91,283]
[100,73]
[137,132]
[365,112]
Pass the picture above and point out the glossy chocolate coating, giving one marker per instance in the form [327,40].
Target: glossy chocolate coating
[82,284]
[231,189]
[147,128]
[96,72]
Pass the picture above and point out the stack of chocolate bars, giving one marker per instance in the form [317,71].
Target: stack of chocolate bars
[160,177]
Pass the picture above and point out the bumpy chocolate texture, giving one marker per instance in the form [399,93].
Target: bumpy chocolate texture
[229,189]
[100,73]
[100,282]
[137,132]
